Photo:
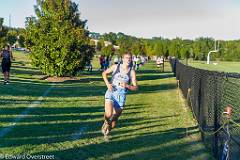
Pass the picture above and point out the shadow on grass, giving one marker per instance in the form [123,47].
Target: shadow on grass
[6,101]
[154,88]
[41,111]
[52,126]
[153,145]
[141,75]
[35,89]
[144,77]
[82,80]
[132,121]
[25,67]
[30,72]
[151,71]
[97,90]
[47,133]
[20,63]
[94,72]
[23,87]
[48,125]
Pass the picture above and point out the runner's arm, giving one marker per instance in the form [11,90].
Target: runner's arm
[134,85]
[11,54]
[106,73]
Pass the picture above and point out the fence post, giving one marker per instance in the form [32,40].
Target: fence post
[216,124]
[199,116]
[174,67]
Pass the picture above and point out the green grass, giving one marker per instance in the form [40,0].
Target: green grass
[221,66]
[156,124]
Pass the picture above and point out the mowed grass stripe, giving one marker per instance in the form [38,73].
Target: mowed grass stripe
[23,114]
[67,123]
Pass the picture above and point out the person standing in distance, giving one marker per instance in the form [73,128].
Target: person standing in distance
[6,56]
[123,79]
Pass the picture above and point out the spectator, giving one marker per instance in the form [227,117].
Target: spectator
[101,61]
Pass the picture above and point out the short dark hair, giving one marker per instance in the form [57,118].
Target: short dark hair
[127,53]
[8,46]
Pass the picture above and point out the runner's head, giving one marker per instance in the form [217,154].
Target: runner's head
[127,58]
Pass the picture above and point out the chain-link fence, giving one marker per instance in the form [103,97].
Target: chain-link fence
[208,93]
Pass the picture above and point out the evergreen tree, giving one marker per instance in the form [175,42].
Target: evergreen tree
[57,38]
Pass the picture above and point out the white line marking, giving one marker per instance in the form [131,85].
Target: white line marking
[79,133]
[23,114]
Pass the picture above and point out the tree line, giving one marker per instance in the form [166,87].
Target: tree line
[196,49]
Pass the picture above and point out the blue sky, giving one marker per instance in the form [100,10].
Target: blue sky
[19,9]
[219,19]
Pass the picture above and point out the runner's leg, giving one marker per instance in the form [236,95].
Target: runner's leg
[108,109]
[116,115]
[7,76]
[107,116]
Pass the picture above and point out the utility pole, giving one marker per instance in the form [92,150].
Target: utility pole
[10,25]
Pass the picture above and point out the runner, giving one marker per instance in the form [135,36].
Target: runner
[159,61]
[115,96]
[101,61]
[6,56]
[138,62]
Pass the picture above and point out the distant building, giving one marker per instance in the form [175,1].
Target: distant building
[106,43]
[116,47]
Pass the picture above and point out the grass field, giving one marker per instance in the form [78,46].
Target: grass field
[66,120]
[221,66]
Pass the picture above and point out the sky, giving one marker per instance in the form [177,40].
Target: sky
[187,19]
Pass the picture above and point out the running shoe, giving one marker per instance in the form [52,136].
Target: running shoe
[105,128]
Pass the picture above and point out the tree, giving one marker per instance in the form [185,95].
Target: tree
[185,53]
[158,49]
[21,32]
[3,34]
[1,23]
[148,48]
[178,47]
[12,36]
[108,50]
[100,45]
[92,43]
[174,47]
[57,38]
[21,40]
[111,37]
[94,35]
[123,49]
[202,46]
[138,48]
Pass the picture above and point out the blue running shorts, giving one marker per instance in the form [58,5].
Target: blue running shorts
[118,98]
